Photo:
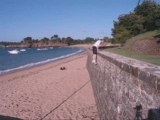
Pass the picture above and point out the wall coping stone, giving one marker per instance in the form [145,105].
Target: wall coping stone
[146,72]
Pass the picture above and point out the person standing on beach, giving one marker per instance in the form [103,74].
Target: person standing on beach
[95,48]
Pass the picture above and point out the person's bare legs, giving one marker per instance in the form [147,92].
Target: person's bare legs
[94,58]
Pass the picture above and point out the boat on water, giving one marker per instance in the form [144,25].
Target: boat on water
[22,50]
[42,49]
[13,51]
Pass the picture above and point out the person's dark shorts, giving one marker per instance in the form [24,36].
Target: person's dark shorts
[94,50]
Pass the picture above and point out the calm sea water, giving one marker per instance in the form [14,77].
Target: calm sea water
[33,56]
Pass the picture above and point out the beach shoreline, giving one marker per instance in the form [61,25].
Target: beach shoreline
[47,92]
[32,65]
[42,65]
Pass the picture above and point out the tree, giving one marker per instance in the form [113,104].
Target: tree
[121,34]
[35,40]
[28,41]
[89,40]
[138,2]
[145,17]
[132,22]
[68,40]
[150,10]
[45,40]
[55,38]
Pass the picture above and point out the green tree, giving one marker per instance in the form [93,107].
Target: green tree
[45,40]
[121,34]
[132,22]
[35,40]
[28,41]
[150,10]
[145,17]
[69,41]
[89,40]
[55,38]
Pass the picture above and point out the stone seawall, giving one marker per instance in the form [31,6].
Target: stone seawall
[124,88]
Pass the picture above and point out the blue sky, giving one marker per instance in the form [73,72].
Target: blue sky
[67,18]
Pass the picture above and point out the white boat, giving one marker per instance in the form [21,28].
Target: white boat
[22,50]
[13,51]
[38,49]
[42,49]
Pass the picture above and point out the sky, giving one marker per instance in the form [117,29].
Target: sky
[66,18]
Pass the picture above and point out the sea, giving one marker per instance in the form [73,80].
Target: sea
[30,57]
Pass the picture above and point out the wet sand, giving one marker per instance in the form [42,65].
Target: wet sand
[48,93]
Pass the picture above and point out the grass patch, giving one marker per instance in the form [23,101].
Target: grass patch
[147,35]
[154,59]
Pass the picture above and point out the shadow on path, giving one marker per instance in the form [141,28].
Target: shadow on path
[8,118]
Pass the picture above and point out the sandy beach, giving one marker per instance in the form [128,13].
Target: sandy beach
[48,93]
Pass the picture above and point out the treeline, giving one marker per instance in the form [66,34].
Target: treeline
[57,39]
[9,43]
[54,40]
[145,17]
